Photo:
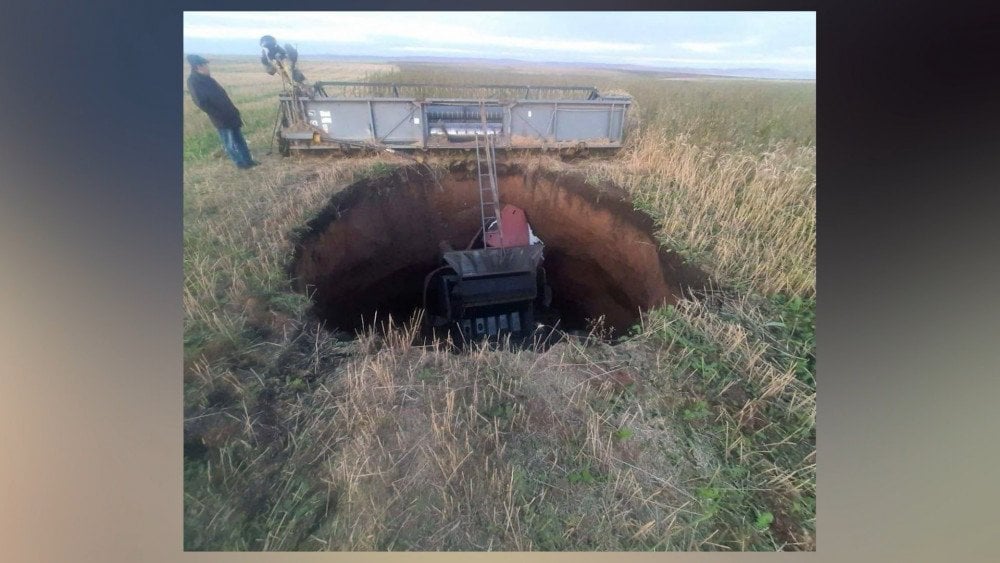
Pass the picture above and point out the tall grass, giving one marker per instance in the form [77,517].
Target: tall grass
[749,219]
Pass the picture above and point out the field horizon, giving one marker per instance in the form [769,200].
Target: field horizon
[727,73]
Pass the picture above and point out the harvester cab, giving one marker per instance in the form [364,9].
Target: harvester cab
[492,291]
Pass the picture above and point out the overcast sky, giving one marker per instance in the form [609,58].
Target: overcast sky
[783,41]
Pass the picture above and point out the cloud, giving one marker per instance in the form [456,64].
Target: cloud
[710,47]
[433,50]
[427,29]
[715,41]
[752,62]
[253,32]
[703,46]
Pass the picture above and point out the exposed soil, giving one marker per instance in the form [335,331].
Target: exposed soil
[366,254]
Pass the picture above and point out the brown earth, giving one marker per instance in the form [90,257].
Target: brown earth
[366,254]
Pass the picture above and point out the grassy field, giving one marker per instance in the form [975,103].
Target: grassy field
[695,432]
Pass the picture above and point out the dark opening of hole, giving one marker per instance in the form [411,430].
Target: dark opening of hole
[399,294]
[365,256]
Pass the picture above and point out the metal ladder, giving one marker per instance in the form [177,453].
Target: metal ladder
[489,198]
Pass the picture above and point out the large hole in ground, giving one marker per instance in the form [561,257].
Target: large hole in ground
[365,256]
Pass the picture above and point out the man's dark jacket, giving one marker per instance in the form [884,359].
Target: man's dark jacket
[213,100]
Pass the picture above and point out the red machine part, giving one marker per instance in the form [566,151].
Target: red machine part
[514,226]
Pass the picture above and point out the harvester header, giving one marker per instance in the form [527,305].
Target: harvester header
[381,115]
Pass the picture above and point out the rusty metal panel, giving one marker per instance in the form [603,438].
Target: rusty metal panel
[398,122]
[348,120]
[576,122]
[616,127]
[532,121]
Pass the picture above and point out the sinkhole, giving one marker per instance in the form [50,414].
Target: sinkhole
[366,255]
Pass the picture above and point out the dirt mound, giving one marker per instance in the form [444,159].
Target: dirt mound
[364,257]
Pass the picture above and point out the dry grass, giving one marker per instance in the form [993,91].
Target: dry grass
[748,218]
[697,432]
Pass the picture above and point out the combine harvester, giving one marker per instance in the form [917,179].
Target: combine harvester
[499,287]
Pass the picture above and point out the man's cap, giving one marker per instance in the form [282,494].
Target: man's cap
[197,60]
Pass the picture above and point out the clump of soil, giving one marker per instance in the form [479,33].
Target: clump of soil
[365,256]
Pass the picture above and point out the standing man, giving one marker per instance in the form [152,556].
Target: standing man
[213,100]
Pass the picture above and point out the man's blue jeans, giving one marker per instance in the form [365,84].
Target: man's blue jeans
[236,146]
